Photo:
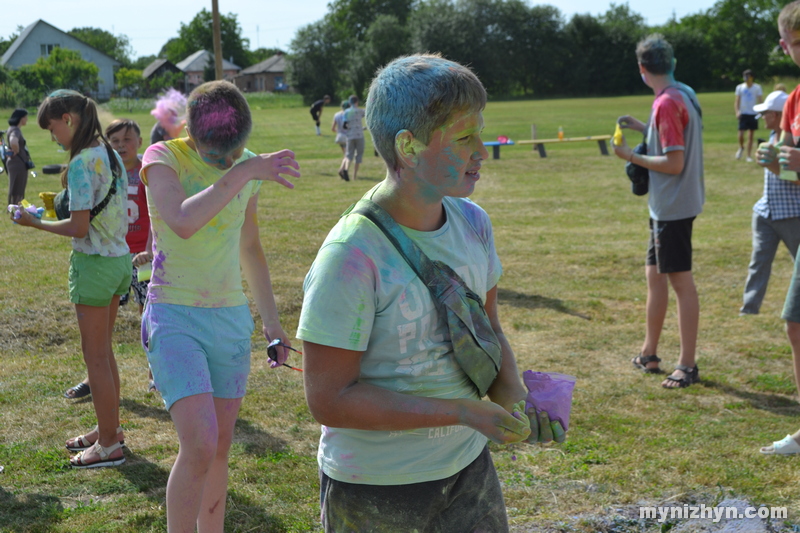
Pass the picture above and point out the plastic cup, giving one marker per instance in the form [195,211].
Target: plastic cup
[144,272]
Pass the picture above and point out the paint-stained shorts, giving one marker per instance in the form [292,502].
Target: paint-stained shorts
[197,350]
[95,279]
[469,501]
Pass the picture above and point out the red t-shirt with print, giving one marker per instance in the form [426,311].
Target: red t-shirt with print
[138,215]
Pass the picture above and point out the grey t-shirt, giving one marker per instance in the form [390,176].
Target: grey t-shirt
[675,124]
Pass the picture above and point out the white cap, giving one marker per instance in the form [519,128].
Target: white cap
[774,102]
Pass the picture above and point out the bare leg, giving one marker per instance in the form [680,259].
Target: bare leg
[741,139]
[96,326]
[688,320]
[355,172]
[196,423]
[656,310]
[212,508]
[750,143]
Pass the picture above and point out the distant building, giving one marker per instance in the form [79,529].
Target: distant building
[194,67]
[159,67]
[268,75]
[40,38]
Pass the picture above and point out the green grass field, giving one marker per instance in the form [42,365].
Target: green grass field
[572,240]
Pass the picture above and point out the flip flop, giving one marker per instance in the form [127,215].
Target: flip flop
[78,391]
[786,446]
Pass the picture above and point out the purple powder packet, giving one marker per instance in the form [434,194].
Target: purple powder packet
[551,392]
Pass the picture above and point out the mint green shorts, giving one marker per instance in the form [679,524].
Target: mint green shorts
[94,279]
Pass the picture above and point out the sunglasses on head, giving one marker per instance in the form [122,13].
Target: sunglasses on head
[272,352]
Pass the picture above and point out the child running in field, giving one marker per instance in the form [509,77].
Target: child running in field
[202,193]
[125,137]
[100,265]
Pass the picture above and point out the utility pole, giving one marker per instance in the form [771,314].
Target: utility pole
[215,29]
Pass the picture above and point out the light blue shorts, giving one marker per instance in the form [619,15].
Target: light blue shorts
[196,350]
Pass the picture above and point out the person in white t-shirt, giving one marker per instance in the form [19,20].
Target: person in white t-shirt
[748,94]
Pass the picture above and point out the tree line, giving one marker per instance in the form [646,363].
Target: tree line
[521,50]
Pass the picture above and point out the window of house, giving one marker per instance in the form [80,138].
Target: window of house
[47,49]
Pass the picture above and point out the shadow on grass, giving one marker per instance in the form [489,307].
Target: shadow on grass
[28,512]
[144,410]
[767,402]
[148,478]
[243,514]
[256,441]
[534,301]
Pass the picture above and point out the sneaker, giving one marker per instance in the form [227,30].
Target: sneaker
[739,153]
[749,159]
[343,174]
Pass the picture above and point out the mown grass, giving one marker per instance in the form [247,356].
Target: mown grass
[572,239]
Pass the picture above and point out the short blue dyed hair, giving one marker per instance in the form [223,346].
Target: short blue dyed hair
[418,93]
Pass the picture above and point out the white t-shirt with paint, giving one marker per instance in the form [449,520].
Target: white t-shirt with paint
[361,295]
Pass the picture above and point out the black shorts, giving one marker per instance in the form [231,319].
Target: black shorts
[315,116]
[470,500]
[670,245]
[747,122]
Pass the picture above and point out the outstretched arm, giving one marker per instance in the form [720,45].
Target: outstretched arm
[185,215]
[77,225]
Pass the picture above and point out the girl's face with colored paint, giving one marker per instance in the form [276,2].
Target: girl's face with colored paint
[62,129]
[217,159]
[451,162]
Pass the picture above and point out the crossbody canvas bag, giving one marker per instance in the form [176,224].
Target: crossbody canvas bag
[475,344]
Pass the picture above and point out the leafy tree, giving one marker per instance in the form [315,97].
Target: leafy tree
[691,54]
[198,35]
[5,44]
[354,17]
[142,62]
[384,40]
[62,69]
[116,46]
[260,54]
[740,34]
[316,61]
[159,84]
[130,85]
[129,81]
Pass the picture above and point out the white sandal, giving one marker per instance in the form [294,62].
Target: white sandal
[84,444]
[786,446]
[103,452]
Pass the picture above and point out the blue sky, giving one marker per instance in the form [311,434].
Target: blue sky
[267,23]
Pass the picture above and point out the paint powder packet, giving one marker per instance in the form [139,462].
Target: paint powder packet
[551,392]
